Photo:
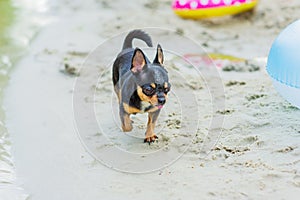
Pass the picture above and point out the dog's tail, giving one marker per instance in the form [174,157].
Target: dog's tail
[139,34]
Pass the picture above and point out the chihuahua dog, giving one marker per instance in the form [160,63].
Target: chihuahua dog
[141,86]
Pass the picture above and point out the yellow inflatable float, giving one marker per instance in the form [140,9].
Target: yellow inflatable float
[196,9]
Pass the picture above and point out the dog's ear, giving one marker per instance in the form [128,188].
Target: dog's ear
[159,58]
[138,61]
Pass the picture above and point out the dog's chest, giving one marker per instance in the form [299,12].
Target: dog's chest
[145,106]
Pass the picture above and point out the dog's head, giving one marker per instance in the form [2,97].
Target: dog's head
[151,78]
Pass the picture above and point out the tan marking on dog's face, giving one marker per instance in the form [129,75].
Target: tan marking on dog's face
[153,85]
[130,109]
[152,100]
[166,85]
[166,97]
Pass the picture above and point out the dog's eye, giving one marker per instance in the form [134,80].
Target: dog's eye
[148,90]
[166,90]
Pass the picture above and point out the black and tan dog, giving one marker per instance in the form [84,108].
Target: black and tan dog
[141,86]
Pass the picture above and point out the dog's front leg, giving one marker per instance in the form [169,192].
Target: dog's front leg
[150,135]
[125,119]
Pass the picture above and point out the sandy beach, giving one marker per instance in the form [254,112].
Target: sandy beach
[225,132]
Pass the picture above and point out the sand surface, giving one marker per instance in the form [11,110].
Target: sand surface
[60,123]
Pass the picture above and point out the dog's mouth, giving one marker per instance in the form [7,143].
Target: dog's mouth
[159,106]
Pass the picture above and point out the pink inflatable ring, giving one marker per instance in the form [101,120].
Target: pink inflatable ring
[196,9]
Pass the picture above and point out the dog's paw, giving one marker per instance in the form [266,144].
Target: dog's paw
[150,139]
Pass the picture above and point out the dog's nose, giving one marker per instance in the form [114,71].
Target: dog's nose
[161,100]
